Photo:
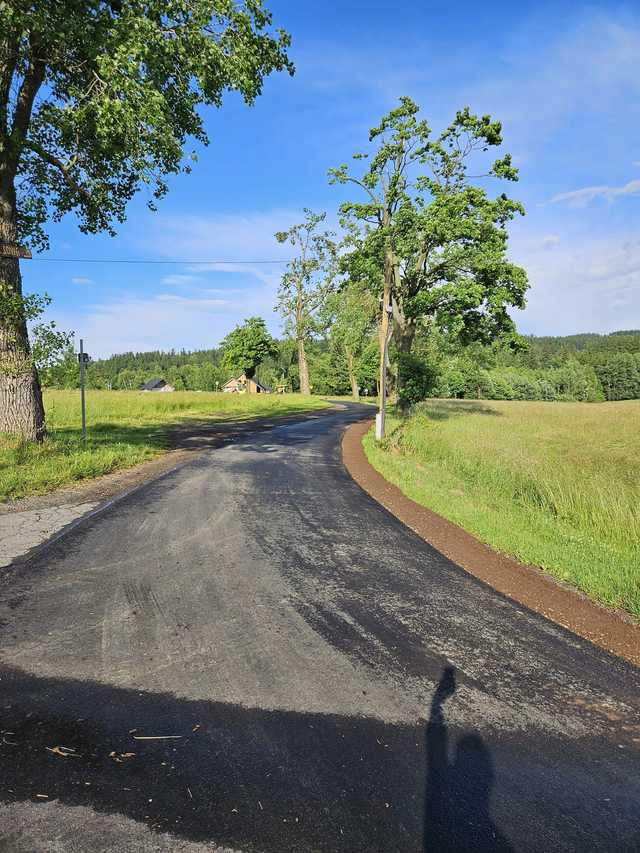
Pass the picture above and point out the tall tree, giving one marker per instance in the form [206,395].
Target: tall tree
[353,322]
[306,283]
[247,346]
[426,238]
[97,99]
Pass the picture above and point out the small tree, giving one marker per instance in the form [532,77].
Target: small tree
[306,283]
[98,99]
[247,346]
[425,238]
[353,324]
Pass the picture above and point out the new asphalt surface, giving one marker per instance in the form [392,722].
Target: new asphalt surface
[250,654]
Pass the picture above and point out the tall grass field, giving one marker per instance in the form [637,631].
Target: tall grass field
[124,428]
[556,485]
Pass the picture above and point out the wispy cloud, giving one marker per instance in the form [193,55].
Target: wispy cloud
[180,279]
[162,321]
[581,197]
[580,284]
[78,279]
[586,71]
[225,237]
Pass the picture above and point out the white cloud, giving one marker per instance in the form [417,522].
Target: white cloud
[580,285]
[234,238]
[162,321]
[581,197]
[178,279]
[81,280]
[590,69]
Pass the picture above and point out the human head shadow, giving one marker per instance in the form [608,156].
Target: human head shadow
[458,788]
[249,778]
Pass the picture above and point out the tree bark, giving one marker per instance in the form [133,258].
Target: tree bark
[303,364]
[404,332]
[353,379]
[385,322]
[303,368]
[21,408]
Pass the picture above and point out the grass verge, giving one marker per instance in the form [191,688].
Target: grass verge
[555,485]
[124,429]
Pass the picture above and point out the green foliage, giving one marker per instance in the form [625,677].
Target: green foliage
[416,379]
[309,277]
[48,343]
[247,346]
[619,374]
[350,316]
[437,240]
[101,97]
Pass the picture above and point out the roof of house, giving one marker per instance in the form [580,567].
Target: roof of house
[152,384]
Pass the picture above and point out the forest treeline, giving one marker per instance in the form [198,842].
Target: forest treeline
[586,367]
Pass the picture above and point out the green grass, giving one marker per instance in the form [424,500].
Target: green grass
[554,484]
[125,428]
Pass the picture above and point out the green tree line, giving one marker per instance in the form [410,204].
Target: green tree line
[344,360]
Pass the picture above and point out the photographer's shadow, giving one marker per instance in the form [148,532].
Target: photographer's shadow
[458,791]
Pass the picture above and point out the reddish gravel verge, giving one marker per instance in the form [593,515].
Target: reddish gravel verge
[528,585]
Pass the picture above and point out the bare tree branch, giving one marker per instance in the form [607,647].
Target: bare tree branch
[63,168]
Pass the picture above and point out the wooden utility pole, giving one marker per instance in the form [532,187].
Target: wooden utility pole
[385,334]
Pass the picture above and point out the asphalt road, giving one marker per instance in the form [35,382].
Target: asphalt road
[308,675]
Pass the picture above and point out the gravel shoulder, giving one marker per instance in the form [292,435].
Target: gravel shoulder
[610,630]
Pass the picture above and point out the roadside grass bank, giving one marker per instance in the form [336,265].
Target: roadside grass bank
[124,429]
[555,485]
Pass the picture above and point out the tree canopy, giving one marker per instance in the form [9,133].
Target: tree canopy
[247,346]
[427,238]
[98,100]
[307,282]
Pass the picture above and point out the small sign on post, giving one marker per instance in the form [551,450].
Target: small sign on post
[14,250]
[83,359]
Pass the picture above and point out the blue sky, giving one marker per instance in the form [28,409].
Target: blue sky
[563,78]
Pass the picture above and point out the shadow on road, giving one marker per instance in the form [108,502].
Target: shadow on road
[458,791]
[275,781]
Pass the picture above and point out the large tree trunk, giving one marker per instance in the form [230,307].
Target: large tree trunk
[303,364]
[353,379]
[21,408]
[303,368]
[383,335]
[404,332]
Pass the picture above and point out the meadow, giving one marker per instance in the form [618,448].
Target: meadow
[124,429]
[556,485]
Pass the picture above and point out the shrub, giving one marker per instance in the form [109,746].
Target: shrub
[416,379]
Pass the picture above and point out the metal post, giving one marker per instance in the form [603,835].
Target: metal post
[82,401]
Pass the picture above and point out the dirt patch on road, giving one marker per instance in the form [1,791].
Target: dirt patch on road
[528,585]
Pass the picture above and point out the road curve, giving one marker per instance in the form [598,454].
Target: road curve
[250,654]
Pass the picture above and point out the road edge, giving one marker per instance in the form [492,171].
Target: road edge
[528,585]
